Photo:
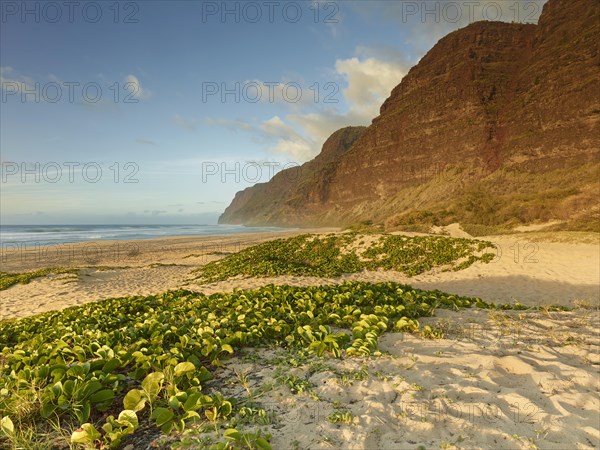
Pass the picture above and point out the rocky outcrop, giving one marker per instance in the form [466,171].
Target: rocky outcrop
[498,123]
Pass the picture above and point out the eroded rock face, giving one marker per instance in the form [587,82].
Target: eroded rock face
[494,109]
[296,194]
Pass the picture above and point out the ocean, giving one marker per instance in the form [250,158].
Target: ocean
[32,235]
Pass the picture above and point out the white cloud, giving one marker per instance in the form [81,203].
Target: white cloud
[276,127]
[367,79]
[133,85]
[287,140]
[298,149]
[234,125]
[183,122]
[320,125]
[370,81]
[369,76]
[15,83]
[35,89]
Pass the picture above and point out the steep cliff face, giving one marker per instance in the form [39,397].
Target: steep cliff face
[497,124]
[296,194]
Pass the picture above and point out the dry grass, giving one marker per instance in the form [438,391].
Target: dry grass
[496,203]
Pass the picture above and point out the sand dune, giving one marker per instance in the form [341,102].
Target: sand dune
[532,273]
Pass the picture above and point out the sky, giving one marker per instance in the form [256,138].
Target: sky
[156,112]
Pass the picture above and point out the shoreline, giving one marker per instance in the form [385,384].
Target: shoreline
[131,251]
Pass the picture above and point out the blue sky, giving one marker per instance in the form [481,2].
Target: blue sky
[114,113]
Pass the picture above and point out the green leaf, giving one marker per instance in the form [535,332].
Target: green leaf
[47,409]
[233,434]
[134,401]
[162,416]
[179,425]
[174,402]
[208,347]
[102,396]
[68,387]
[87,434]
[57,388]
[184,368]
[204,375]
[152,384]
[111,365]
[192,402]
[63,401]
[76,371]
[128,416]
[107,427]
[226,408]
[7,426]
[90,388]
[262,444]
[228,348]
[83,414]
[190,415]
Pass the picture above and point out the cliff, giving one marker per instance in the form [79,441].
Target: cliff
[293,195]
[498,124]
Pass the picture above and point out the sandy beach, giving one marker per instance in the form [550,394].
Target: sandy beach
[498,379]
[533,269]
